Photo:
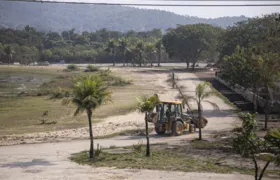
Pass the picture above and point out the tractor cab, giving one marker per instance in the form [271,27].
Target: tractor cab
[169,116]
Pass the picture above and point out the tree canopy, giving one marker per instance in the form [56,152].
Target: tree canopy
[188,42]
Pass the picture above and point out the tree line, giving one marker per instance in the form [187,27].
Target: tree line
[256,39]
[103,46]
[30,45]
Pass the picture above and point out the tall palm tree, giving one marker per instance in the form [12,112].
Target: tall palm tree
[146,105]
[202,91]
[150,49]
[9,52]
[88,94]
[123,48]
[111,48]
[140,47]
[158,50]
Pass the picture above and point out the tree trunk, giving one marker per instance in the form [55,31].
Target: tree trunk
[188,64]
[193,66]
[124,58]
[114,63]
[199,120]
[255,102]
[151,60]
[159,57]
[147,136]
[91,149]
[266,108]
[262,173]
[140,60]
[256,167]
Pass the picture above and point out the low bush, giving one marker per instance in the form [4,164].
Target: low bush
[59,93]
[138,147]
[72,67]
[91,68]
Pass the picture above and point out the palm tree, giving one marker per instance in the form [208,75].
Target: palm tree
[89,93]
[147,105]
[9,52]
[139,51]
[158,50]
[202,91]
[123,48]
[111,48]
[150,49]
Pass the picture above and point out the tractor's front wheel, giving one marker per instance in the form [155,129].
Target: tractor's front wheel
[160,131]
[177,128]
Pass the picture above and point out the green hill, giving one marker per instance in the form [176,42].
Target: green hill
[58,17]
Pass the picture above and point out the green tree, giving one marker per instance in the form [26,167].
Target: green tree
[123,48]
[253,32]
[9,52]
[47,54]
[159,50]
[111,48]
[189,41]
[273,138]
[253,70]
[248,144]
[88,94]
[269,73]
[242,68]
[139,51]
[146,105]
[150,50]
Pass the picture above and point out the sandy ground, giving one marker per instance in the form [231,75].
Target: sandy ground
[50,160]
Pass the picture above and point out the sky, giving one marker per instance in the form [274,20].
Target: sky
[205,12]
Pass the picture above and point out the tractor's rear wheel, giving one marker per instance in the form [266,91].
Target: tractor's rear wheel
[160,131]
[177,128]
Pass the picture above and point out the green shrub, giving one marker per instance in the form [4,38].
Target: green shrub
[138,147]
[105,73]
[119,82]
[91,68]
[72,67]
[59,93]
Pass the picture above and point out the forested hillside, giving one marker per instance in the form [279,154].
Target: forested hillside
[58,17]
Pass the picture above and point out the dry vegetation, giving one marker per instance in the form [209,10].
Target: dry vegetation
[27,92]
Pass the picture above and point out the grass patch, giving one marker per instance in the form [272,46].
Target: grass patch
[177,158]
[131,132]
[24,115]
[205,145]
[22,112]
[163,159]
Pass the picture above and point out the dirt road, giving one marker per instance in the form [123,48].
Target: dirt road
[50,161]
